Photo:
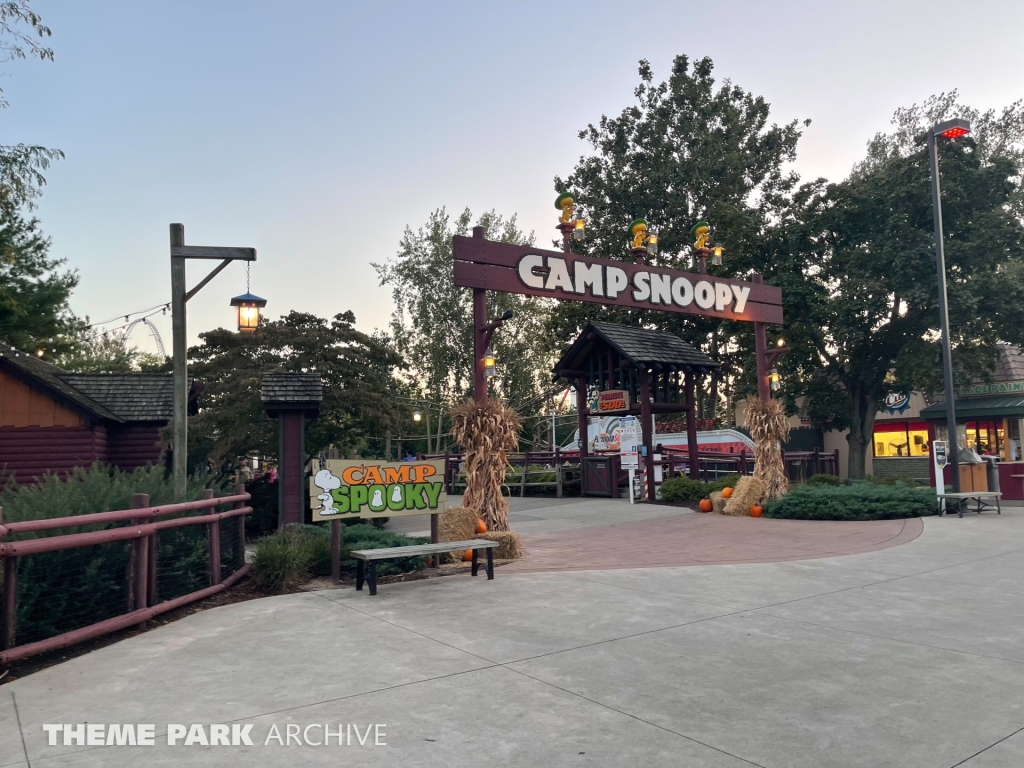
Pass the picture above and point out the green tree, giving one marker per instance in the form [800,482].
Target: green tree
[688,150]
[857,266]
[34,291]
[433,320]
[357,371]
[22,165]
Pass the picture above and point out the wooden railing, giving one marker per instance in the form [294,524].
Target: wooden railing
[139,528]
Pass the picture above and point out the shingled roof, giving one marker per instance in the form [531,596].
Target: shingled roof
[288,388]
[130,396]
[642,346]
[119,397]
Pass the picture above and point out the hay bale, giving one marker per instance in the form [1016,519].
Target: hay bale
[457,524]
[748,491]
[717,502]
[509,546]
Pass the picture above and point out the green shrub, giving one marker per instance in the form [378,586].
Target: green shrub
[301,552]
[72,588]
[894,480]
[291,556]
[860,501]
[830,480]
[680,489]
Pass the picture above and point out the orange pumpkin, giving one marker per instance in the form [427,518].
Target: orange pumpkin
[726,492]
[756,510]
[706,505]
[481,526]
[467,555]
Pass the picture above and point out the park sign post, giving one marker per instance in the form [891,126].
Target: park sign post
[369,488]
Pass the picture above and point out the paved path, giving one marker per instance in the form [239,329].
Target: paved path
[909,656]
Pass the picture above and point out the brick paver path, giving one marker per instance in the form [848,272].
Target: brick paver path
[707,539]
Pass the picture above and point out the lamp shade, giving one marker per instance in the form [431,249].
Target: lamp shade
[249,307]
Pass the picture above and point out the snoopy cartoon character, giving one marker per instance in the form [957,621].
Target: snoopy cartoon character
[326,482]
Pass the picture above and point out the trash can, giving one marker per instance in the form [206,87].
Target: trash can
[992,473]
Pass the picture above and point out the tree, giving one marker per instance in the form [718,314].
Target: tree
[857,266]
[687,151]
[357,370]
[433,320]
[34,313]
[21,165]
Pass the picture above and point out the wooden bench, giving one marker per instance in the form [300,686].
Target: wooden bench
[371,556]
[965,496]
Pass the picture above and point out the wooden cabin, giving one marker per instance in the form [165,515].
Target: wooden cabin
[52,420]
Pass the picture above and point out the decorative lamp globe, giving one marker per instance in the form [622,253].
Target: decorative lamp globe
[490,364]
[416,415]
[249,306]
[716,256]
[579,230]
[775,380]
[652,244]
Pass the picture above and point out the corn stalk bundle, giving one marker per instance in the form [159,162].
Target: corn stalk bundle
[769,427]
[486,431]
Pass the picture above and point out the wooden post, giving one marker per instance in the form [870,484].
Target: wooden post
[691,423]
[646,430]
[240,489]
[387,446]
[336,550]
[479,322]
[213,534]
[8,609]
[581,421]
[558,474]
[522,480]
[179,354]
[761,353]
[138,561]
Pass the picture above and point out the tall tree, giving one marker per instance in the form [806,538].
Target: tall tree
[34,291]
[357,370]
[856,262]
[22,165]
[688,150]
[433,320]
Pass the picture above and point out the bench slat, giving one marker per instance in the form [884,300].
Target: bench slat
[422,549]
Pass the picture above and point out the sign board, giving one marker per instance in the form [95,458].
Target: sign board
[997,388]
[896,402]
[368,488]
[612,401]
[939,451]
[531,271]
[629,442]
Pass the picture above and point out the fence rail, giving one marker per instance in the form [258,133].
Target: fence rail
[151,575]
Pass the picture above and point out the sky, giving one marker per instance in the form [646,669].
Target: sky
[316,130]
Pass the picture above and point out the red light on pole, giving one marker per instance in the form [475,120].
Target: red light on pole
[952,129]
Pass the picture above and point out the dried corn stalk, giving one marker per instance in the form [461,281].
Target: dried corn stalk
[486,431]
[769,427]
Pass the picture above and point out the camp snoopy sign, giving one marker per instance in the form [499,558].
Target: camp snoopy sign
[535,272]
[370,488]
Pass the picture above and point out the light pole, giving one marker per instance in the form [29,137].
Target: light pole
[950,129]
[248,310]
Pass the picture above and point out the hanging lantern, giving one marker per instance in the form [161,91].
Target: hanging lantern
[417,415]
[579,230]
[249,307]
[490,364]
[716,256]
[775,380]
[652,244]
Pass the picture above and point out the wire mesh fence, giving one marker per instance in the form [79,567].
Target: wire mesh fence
[67,578]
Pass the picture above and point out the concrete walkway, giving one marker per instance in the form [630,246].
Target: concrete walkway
[907,656]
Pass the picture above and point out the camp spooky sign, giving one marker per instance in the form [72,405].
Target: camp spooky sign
[481,263]
[368,488]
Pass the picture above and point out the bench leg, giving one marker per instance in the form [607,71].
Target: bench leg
[490,563]
[999,506]
[372,577]
[475,566]
[359,574]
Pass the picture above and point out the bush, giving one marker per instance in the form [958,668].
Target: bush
[860,501]
[830,480]
[680,489]
[71,588]
[894,480]
[302,552]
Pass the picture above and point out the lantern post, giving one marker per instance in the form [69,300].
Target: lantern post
[179,297]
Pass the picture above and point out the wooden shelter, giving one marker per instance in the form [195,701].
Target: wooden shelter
[657,369]
[52,420]
[291,398]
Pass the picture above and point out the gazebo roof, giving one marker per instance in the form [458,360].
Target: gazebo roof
[644,347]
